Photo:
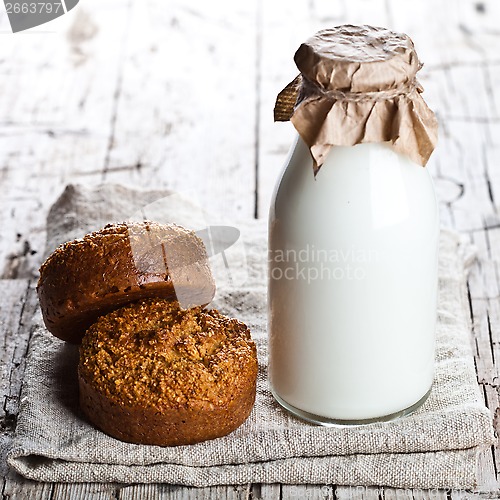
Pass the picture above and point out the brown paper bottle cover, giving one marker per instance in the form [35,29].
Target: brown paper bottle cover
[357,84]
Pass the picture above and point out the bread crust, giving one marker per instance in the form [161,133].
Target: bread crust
[122,263]
[151,373]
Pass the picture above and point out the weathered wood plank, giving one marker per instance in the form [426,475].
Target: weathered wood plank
[172,492]
[277,46]
[190,138]
[265,491]
[191,85]
[375,13]
[17,488]
[314,492]
[89,491]
[58,130]
[449,32]
[358,493]
[431,494]
[18,301]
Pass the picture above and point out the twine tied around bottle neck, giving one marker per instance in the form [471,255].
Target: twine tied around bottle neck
[300,87]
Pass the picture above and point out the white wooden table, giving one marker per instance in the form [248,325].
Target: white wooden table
[179,95]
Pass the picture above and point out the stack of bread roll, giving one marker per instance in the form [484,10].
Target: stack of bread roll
[150,371]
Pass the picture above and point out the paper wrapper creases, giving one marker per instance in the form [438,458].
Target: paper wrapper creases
[347,94]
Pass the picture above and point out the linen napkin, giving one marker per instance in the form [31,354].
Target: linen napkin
[435,447]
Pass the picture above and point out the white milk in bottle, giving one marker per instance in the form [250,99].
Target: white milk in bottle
[353,233]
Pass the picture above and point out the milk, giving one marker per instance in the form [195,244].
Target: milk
[352,285]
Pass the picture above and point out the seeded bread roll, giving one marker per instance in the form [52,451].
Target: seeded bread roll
[151,373]
[86,278]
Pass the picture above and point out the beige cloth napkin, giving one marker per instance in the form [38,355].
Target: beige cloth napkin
[436,447]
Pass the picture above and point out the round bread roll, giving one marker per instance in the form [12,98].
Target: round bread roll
[86,278]
[152,373]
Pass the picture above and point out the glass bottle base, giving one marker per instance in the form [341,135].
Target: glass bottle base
[333,422]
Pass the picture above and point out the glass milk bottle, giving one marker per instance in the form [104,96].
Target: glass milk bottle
[353,233]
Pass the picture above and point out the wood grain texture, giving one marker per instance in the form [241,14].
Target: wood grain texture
[180,95]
